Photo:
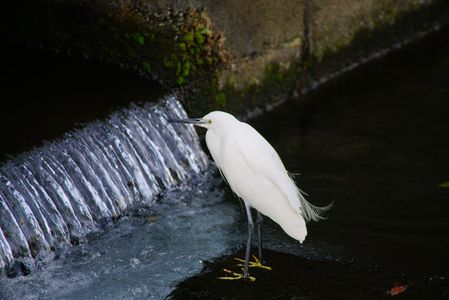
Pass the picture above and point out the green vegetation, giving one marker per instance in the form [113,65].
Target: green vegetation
[138,38]
[193,56]
[146,66]
[277,83]
[176,54]
[181,49]
[444,185]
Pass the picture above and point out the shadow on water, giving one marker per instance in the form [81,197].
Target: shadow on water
[376,142]
[45,95]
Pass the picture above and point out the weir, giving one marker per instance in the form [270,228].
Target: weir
[53,196]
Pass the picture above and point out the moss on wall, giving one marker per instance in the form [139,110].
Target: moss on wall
[391,26]
[390,22]
[172,46]
[179,44]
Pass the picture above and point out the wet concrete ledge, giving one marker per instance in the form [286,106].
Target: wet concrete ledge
[232,55]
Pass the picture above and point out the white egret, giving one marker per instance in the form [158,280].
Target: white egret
[257,175]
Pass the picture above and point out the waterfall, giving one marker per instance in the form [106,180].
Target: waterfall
[53,196]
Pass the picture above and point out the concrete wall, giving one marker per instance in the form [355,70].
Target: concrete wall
[234,55]
[336,22]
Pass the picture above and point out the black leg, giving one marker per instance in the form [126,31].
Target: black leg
[259,233]
[248,243]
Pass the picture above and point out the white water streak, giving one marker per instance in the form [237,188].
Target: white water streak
[68,188]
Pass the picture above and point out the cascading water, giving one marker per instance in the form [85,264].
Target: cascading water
[55,195]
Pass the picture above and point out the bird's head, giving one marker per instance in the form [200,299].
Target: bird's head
[215,119]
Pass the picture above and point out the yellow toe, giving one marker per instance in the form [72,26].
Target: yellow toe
[253,264]
[235,276]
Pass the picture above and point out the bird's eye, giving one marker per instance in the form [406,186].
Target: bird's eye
[209,122]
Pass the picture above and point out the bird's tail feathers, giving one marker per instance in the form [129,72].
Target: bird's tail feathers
[311,212]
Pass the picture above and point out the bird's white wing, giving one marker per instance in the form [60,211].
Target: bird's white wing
[213,144]
[260,157]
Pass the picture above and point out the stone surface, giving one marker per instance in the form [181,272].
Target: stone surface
[236,55]
[336,22]
[250,27]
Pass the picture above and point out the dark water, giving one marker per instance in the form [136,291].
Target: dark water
[44,95]
[375,141]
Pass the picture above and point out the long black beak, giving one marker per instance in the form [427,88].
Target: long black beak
[194,121]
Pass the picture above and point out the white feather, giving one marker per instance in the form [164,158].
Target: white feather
[256,174]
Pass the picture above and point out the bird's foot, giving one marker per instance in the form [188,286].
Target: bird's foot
[254,264]
[236,276]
